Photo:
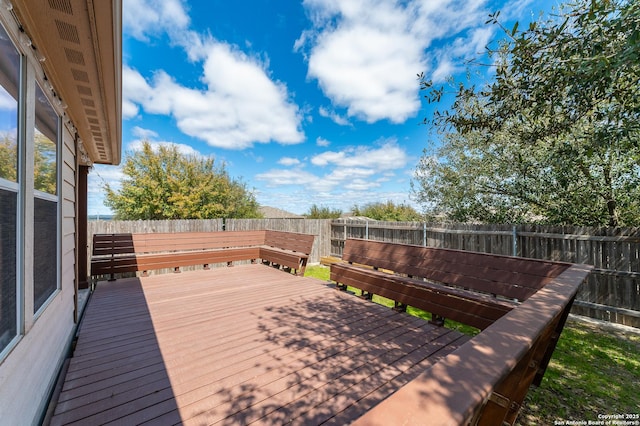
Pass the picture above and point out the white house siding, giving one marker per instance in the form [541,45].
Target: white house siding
[28,374]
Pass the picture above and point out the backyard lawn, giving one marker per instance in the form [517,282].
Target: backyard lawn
[595,371]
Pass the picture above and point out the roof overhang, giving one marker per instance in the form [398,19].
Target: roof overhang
[80,48]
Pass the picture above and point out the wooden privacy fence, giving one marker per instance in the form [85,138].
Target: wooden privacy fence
[318,227]
[611,293]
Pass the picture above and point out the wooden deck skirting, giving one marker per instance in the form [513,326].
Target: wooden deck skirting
[520,304]
[119,253]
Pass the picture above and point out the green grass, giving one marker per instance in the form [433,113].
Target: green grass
[595,370]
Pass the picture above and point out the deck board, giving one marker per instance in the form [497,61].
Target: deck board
[241,345]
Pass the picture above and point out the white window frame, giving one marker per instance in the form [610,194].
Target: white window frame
[31,74]
[57,198]
[19,188]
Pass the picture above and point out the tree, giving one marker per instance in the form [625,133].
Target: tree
[8,157]
[165,184]
[554,137]
[322,212]
[388,211]
[44,161]
[44,164]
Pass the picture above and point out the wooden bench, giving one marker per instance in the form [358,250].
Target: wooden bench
[519,304]
[472,288]
[120,253]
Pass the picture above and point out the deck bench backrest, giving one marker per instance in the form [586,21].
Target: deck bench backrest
[293,241]
[512,278]
[138,243]
[119,253]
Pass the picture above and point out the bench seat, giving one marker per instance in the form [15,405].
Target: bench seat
[472,308]
[153,261]
[472,288]
[289,258]
[120,253]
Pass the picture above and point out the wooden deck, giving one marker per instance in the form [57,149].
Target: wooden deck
[242,345]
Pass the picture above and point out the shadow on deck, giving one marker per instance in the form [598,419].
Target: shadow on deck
[241,345]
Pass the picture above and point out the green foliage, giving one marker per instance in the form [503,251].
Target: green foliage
[554,138]
[165,184]
[8,158]
[322,212]
[44,162]
[45,166]
[388,211]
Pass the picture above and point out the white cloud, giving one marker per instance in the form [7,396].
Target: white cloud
[365,54]
[288,177]
[239,104]
[388,157]
[333,116]
[98,177]
[144,18]
[155,145]
[450,59]
[135,91]
[105,174]
[361,185]
[144,133]
[360,168]
[7,102]
[288,161]
[320,141]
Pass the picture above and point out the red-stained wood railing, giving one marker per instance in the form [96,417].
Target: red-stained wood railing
[519,304]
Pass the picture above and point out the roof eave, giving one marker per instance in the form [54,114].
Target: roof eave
[80,46]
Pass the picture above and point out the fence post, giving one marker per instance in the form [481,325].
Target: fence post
[424,234]
[366,230]
[515,240]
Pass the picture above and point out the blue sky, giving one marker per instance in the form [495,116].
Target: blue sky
[308,102]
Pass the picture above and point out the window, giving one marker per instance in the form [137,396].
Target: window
[10,61]
[45,169]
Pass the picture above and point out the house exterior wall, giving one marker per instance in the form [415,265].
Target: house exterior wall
[30,364]
[28,373]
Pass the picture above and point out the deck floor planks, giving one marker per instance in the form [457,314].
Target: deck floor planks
[239,345]
[261,372]
[294,401]
[290,376]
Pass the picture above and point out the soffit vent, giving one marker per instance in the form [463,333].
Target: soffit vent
[79,75]
[67,32]
[84,90]
[63,6]
[74,56]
